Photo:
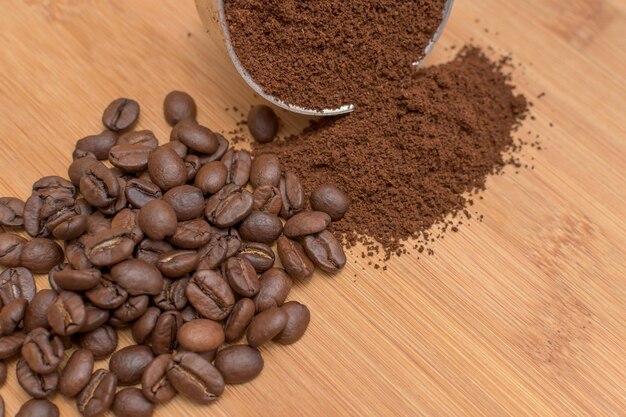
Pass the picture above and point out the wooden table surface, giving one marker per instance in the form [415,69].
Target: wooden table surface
[521,314]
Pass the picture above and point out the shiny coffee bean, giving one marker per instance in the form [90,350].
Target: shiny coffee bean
[155,383]
[97,397]
[40,255]
[130,402]
[275,285]
[211,177]
[178,147]
[217,155]
[197,138]
[163,335]
[294,259]
[16,283]
[37,408]
[109,247]
[11,212]
[306,223]
[149,250]
[143,327]
[265,326]
[167,168]
[130,158]
[238,321]
[129,363]
[11,246]
[37,385]
[137,277]
[177,263]
[67,314]
[239,363]
[132,308]
[37,310]
[263,123]
[41,210]
[238,164]
[292,195]
[94,318]
[200,335]
[231,237]
[101,341]
[77,373]
[241,276]
[331,200]
[139,192]
[43,351]
[298,318]
[210,294]
[120,114]
[75,254]
[213,253]
[96,223]
[71,279]
[11,345]
[53,185]
[261,227]
[11,315]
[267,199]
[195,377]
[193,165]
[107,294]
[192,234]
[172,297]
[98,145]
[325,251]
[229,206]
[158,220]
[140,137]
[187,202]
[265,170]
[99,185]
[70,224]
[178,106]
[78,168]
[127,220]
[260,255]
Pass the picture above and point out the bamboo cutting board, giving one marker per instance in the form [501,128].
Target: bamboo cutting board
[521,314]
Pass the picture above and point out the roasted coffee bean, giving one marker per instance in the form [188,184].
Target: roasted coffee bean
[239,363]
[139,192]
[121,201]
[267,199]
[98,145]
[306,223]
[39,255]
[261,227]
[52,277]
[140,137]
[178,106]
[172,297]
[78,168]
[265,170]
[11,212]
[229,206]
[142,328]
[94,318]
[163,335]
[11,249]
[120,114]
[195,377]
[52,184]
[263,123]
[294,259]
[325,251]
[155,383]
[192,234]
[189,313]
[193,165]
[241,276]
[238,164]
[260,255]
[70,224]
[167,168]
[239,319]
[130,158]
[149,250]
[130,402]
[67,314]
[213,253]
[38,408]
[77,373]
[36,311]
[75,254]
[11,345]
[96,222]
[298,318]
[11,315]
[210,294]
[138,277]
[265,326]
[97,396]
[109,247]
[16,283]
[200,335]
[42,209]
[37,385]
[99,185]
[178,147]
[217,155]
[186,200]
[292,195]
[275,285]
[127,220]
[107,294]
[198,138]
[101,341]
[157,219]
[71,279]
[178,263]
[3,373]
[211,177]
[132,308]
[42,350]
[231,237]
[79,154]
[331,200]
[129,363]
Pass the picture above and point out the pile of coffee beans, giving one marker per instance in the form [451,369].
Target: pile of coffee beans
[173,241]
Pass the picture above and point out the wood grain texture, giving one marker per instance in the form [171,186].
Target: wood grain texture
[523,313]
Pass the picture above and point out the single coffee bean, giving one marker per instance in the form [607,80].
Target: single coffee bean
[99,185]
[197,138]
[77,373]
[158,220]
[127,220]
[42,209]
[137,277]
[39,255]
[98,145]
[331,200]
[16,283]
[229,206]
[210,294]
[292,195]
[213,253]
[298,318]
[94,318]
[325,251]
[163,335]
[149,250]
[130,402]
[139,192]
[142,328]
[265,170]
[129,363]
[239,319]
[275,285]
[260,255]
[132,309]
[231,237]
[53,184]
[241,276]
[130,158]
[120,114]
[211,177]
[261,227]
[3,372]
[37,408]
[70,224]
[96,222]
[172,297]
[155,383]
[37,385]
[67,314]
[11,345]
[189,313]
[195,377]
[71,279]
[167,168]
[262,123]
[193,165]
[36,311]
[75,254]
[306,223]
[294,259]
[191,234]
[109,247]
[78,168]
[239,363]
[11,246]
[238,164]
[11,212]
[101,341]
[43,351]
[140,137]
[107,294]
[267,199]
[177,263]
[217,155]
[52,277]
[265,326]
[11,315]
[97,396]
[186,200]
[178,147]
[178,106]
[200,335]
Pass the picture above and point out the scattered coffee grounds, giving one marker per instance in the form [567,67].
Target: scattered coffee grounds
[409,157]
[325,54]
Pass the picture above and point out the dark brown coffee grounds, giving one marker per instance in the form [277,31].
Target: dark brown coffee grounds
[413,156]
[325,54]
